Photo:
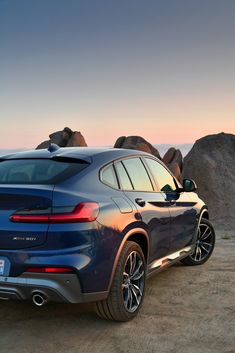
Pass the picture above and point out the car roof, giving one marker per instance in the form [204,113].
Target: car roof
[83,153]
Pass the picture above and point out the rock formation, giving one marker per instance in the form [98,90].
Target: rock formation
[174,160]
[136,143]
[211,163]
[65,138]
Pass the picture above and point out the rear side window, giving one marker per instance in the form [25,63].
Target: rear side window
[38,171]
[123,177]
[138,174]
[163,178]
[109,177]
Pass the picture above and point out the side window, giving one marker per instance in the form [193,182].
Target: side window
[123,178]
[138,174]
[109,177]
[162,177]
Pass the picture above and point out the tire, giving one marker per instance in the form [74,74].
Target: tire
[204,245]
[125,300]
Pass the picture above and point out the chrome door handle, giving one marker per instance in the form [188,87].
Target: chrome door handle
[140,202]
[172,202]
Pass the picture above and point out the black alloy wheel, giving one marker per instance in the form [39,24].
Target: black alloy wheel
[204,244]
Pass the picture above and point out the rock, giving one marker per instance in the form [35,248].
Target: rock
[64,138]
[173,156]
[175,169]
[174,161]
[211,163]
[169,155]
[136,143]
[143,147]
[76,140]
[42,145]
[119,142]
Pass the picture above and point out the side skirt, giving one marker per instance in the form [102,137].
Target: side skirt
[166,261]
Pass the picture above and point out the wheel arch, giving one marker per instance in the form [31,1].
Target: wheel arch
[203,214]
[138,236]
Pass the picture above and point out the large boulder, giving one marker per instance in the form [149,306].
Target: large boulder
[136,143]
[65,138]
[211,163]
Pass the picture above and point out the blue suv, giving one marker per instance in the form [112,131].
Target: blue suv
[90,225]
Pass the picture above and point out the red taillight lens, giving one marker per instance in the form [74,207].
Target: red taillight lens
[84,212]
[49,270]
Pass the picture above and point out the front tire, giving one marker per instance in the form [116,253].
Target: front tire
[128,286]
[204,245]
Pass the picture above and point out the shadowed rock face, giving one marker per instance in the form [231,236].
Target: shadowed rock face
[211,163]
[173,158]
[65,138]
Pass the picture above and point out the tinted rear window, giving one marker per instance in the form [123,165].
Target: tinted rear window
[38,171]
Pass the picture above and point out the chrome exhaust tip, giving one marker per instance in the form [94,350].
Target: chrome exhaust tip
[39,299]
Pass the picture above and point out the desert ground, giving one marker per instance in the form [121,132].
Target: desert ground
[186,310]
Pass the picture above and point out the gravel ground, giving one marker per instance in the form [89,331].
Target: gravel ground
[186,310]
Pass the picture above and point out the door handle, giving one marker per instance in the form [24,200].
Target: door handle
[172,202]
[140,202]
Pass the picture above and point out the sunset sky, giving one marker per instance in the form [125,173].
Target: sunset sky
[161,69]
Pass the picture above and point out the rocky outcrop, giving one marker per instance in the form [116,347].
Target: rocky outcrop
[65,138]
[136,143]
[173,158]
[211,163]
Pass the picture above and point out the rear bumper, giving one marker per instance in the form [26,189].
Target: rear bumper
[54,287]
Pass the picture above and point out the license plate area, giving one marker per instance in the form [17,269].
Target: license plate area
[4,266]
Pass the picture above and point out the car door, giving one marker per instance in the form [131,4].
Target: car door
[152,208]
[183,215]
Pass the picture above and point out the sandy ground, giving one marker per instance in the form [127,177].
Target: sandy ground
[186,310]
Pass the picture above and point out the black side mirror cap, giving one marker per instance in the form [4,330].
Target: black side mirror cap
[189,185]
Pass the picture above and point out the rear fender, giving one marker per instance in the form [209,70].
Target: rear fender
[125,239]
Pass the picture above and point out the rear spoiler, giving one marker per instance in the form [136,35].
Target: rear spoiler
[53,152]
[59,158]
[72,159]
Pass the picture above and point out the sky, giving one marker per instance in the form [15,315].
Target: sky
[162,69]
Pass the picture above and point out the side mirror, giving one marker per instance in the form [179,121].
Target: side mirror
[189,185]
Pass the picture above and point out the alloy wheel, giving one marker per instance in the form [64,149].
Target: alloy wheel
[204,244]
[133,281]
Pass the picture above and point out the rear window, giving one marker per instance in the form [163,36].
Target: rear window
[38,171]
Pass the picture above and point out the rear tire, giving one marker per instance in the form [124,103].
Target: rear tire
[128,286]
[204,245]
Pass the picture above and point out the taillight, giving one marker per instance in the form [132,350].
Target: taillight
[84,212]
[49,270]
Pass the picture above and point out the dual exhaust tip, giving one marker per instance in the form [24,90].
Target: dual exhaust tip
[39,298]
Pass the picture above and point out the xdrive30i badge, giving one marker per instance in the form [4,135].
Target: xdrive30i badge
[24,238]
